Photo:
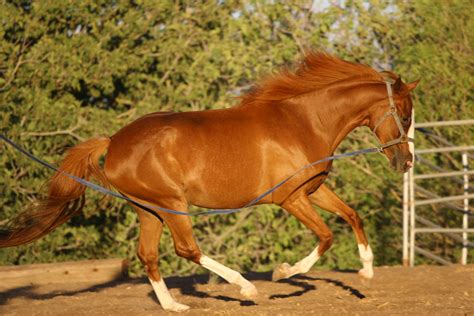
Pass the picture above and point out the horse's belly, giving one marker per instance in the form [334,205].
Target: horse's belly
[219,187]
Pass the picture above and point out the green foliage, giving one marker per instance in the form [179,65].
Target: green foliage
[72,71]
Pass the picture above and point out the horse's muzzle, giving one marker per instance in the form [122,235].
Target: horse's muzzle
[402,162]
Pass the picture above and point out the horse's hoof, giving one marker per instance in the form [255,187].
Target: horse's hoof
[249,291]
[366,274]
[176,307]
[281,272]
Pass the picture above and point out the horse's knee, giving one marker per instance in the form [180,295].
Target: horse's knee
[188,252]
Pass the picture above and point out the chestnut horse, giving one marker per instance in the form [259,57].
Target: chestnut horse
[225,158]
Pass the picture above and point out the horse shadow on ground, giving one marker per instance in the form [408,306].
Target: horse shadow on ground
[187,286]
[30,291]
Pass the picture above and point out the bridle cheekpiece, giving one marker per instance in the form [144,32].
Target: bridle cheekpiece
[403,138]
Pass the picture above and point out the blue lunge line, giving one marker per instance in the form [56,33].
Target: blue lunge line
[166,210]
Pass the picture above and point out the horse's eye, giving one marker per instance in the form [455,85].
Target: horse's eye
[406,120]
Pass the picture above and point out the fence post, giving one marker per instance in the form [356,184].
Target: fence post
[406,201]
[406,196]
[410,228]
[465,218]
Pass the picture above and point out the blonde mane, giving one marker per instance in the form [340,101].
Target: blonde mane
[317,70]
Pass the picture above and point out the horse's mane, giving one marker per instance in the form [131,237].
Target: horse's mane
[317,70]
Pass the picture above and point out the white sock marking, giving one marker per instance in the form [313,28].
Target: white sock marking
[367,259]
[305,264]
[164,296]
[231,276]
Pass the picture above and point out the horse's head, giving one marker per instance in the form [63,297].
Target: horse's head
[390,120]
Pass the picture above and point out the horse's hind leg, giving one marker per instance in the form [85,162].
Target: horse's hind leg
[329,201]
[301,208]
[150,233]
[186,247]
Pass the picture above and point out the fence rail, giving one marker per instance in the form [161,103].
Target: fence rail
[443,149]
[445,199]
[444,230]
[454,236]
[443,174]
[444,123]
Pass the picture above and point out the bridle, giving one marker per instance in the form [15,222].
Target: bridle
[392,111]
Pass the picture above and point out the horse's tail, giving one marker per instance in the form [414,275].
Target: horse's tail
[65,197]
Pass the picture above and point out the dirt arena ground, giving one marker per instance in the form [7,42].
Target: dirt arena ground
[428,290]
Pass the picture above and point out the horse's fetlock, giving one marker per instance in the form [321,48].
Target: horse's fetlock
[147,258]
[327,239]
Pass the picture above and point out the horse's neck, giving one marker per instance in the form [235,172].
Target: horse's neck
[333,114]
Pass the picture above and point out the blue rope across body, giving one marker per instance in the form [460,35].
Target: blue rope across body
[145,206]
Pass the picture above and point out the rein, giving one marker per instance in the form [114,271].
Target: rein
[149,207]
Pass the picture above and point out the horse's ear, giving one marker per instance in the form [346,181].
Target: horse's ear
[412,85]
[397,86]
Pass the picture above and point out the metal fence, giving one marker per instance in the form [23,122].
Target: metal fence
[410,202]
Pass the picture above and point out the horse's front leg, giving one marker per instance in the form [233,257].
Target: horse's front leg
[301,208]
[328,200]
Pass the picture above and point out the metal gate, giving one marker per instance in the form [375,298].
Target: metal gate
[414,224]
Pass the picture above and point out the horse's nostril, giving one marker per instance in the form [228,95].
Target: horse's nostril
[409,164]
